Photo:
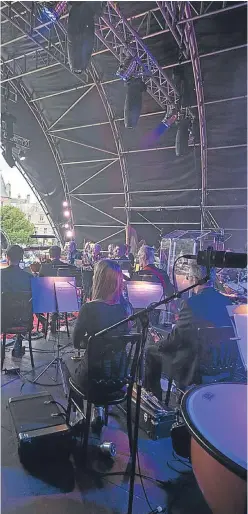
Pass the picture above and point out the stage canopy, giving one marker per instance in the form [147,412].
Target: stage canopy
[81,152]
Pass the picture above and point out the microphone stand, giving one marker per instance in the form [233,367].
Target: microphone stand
[142,315]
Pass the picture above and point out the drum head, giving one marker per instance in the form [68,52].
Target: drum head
[216,416]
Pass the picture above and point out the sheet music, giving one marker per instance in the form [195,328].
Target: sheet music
[141,294]
[66,295]
[43,293]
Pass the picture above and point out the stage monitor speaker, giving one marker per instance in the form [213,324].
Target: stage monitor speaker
[40,427]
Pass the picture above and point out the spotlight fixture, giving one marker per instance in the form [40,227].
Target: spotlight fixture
[69,233]
[22,156]
[127,68]
[65,204]
[66,225]
[80,35]
[167,122]
[53,10]
[66,214]
[133,102]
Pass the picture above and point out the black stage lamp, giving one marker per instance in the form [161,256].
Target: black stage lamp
[133,102]
[182,137]
[80,34]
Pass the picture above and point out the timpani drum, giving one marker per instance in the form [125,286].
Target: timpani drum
[216,417]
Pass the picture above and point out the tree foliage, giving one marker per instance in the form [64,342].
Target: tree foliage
[16,225]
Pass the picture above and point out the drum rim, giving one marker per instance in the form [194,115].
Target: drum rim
[203,442]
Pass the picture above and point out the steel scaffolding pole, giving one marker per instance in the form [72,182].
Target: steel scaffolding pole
[193,49]
[146,115]
[212,13]
[180,207]
[42,123]
[93,176]
[60,57]
[99,210]
[80,143]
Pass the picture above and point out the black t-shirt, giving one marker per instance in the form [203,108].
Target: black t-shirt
[94,317]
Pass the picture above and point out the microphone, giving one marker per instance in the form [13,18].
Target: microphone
[219,259]
[222,259]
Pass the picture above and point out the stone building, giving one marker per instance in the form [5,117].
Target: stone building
[32,210]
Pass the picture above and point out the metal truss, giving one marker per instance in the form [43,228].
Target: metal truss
[18,141]
[184,35]
[41,202]
[193,49]
[120,36]
[21,89]
[59,55]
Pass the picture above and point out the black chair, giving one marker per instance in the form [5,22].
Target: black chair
[112,365]
[87,281]
[218,354]
[217,357]
[16,318]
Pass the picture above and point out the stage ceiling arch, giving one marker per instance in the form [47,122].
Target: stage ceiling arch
[80,149]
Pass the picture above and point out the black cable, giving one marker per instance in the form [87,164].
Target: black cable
[142,483]
[60,404]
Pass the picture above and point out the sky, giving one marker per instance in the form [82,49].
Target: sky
[14,177]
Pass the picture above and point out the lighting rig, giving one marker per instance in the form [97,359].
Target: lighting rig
[13,146]
[68,225]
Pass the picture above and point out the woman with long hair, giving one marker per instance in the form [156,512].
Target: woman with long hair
[107,307]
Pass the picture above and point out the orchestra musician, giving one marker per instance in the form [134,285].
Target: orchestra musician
[146,256]
[177,355]
[15,280]
[106,308]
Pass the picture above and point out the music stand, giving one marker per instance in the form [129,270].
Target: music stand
[141,294]
[55,294]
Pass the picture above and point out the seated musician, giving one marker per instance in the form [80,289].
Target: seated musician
[106,308]
[121,257]
[96,253]
[150,272]
[49,269]
[177,356]
[15,280]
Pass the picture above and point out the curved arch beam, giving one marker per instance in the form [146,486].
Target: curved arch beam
[21,89]
[194,55]
[41,202]
[116,136]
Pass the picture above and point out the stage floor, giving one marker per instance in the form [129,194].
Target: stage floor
[72,489]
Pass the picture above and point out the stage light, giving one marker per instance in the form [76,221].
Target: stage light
[53,10]
[22,156]
[133,102]
[69,233]
[67,214]
[182,137]
[66,225]
[127,68]
[65,204]
[80,35]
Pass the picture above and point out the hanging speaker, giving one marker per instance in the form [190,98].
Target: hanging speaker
[133,102]
[182,137]
[80,36]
